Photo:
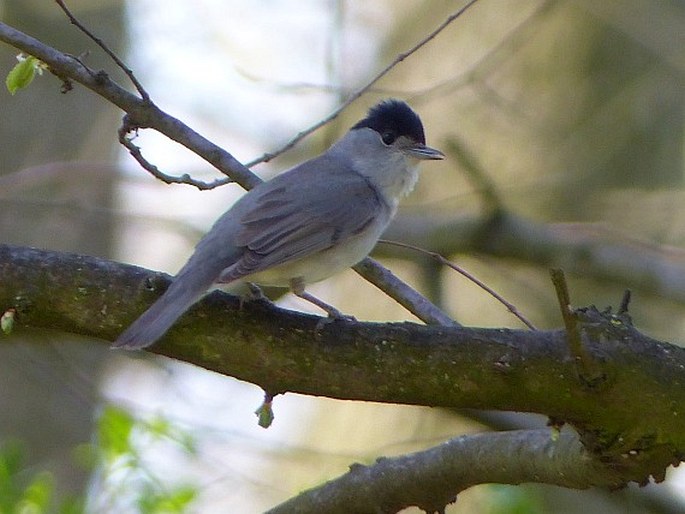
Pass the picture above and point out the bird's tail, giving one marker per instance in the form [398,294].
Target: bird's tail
[184,291]
[211,256]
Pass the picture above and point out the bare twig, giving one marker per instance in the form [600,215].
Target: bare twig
[129,73]
[127,142]
[625,302]
[595,250]
[401,57]
[587,366]
[342,91]
[570,321]
[127,127]
[442,260]
[492,60]
[402,293]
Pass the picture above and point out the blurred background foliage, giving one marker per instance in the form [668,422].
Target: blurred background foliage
[572,109]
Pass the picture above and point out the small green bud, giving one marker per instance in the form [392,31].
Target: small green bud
[265,414]
[7,320]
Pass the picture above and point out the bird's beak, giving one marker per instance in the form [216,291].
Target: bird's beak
[427,153]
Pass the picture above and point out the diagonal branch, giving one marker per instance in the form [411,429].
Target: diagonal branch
[402,293]
[444,262]
[432,478]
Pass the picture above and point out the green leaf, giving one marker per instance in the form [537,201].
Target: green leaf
[175,501]
[188,443]
[160,427]
[37,495]
[21,490]
[74,505]
[22,74]
[179,499]
[11,462]
[114,430]
[11,458]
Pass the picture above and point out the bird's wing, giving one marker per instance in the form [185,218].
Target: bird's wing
[291,219]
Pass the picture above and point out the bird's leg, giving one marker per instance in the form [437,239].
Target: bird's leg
[253,294]
[297,287]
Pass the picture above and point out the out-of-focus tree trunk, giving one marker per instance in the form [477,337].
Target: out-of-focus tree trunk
[48,392]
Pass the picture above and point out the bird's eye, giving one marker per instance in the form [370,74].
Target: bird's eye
[388,137]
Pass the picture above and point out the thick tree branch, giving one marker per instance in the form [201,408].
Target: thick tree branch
[432,478]
[632,419]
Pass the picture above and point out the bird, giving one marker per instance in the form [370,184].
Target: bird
[304,225]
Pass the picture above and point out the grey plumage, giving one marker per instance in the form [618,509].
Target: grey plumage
[304,225]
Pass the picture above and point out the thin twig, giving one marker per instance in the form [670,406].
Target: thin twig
[570,321]
[402,293]
[493,59]
[588,367]
[625,302]
[129,73]
[442,260]
[125,128]
[401,57]
[127,142]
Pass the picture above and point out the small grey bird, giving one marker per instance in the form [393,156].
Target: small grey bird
[304,225]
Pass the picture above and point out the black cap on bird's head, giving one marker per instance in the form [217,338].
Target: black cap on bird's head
[393,119]
[394,116]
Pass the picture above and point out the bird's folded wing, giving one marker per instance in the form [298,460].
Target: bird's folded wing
[293,220]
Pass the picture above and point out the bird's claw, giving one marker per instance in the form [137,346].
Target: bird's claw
[333,316]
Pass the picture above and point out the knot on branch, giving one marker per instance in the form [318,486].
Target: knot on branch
[588,323]
[603,325]
[639,459]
